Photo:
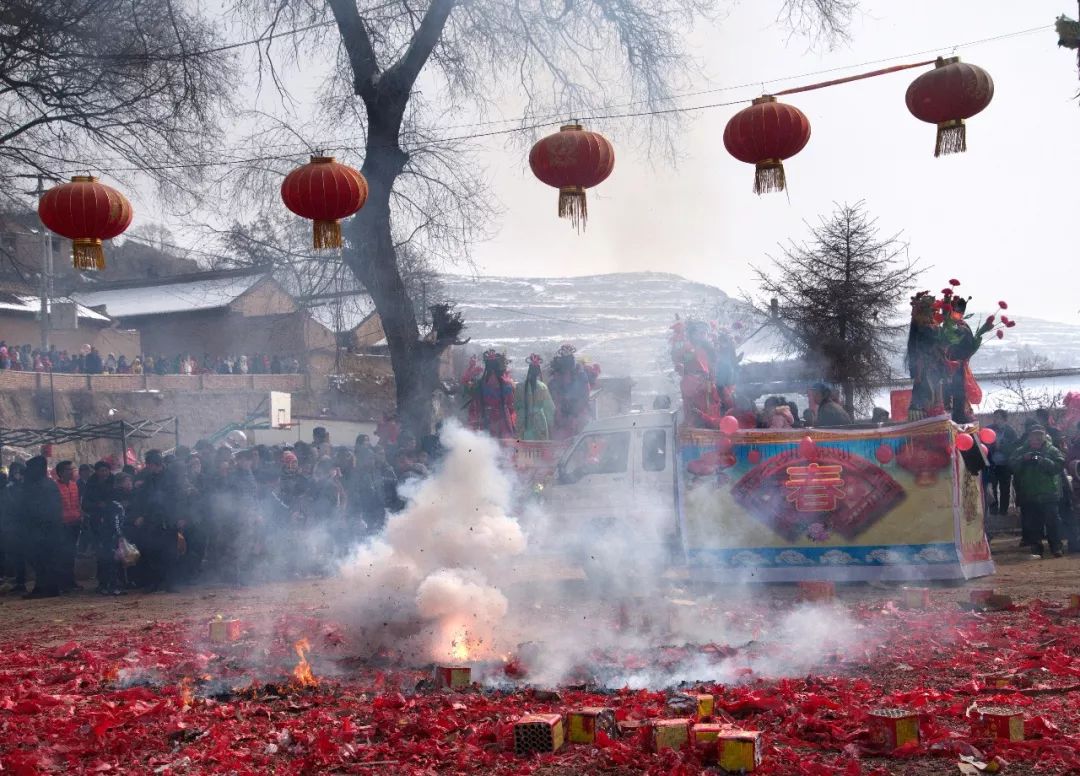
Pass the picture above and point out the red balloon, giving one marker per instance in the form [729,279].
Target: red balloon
[964,442]
[987,436]
[729,424]
[764,135]
[884,454]
[808,448]
[754,457]
[325,191]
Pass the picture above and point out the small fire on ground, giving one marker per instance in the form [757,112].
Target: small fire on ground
[302,673]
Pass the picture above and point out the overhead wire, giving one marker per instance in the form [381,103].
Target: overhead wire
[526,123]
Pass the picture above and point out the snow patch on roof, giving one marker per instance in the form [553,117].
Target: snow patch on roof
[24,303]
[207,294]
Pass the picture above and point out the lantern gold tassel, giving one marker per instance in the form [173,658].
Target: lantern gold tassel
[87,254]
[769,176]
[951,138]
[572,205]
[326,235]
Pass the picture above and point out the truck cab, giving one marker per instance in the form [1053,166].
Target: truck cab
[617,478]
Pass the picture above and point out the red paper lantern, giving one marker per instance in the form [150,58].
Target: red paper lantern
[754,457]
[573,160]
[884,454]
[948,94]
[325,191]
[808,448]
[764,135]
[85,211]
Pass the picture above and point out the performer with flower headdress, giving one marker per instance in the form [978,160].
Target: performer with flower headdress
[498,416]
[570,385]
[961,389]
[535,409]
[925,358]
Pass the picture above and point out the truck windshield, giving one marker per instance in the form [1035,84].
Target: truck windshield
[600,454]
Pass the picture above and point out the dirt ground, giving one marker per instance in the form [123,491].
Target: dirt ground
[88,615]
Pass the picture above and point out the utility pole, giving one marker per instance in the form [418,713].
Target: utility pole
[46,272]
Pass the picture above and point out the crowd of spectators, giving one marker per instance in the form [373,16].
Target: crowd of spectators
[88,360]
[208,513]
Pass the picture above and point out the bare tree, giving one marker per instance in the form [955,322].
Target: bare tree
[108,85]
[563,59]
[1017,390]
[838,297]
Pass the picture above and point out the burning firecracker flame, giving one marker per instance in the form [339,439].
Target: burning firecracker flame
[186,697]
[459,646]
[302,673]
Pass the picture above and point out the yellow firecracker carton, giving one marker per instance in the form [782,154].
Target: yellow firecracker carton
[223,631]
[704,736]
[671,733]
[915,597]
[891,728]
[452,677]
[738,751]
[1074,601]
[538,733]
[583,724]
[998,722]
[706,704]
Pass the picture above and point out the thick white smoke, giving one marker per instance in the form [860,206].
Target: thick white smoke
[425,586]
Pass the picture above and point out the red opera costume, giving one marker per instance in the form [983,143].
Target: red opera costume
[86,212]
[491,396]
[325,191]
[573,160]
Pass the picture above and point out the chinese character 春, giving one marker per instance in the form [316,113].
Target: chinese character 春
[815,488]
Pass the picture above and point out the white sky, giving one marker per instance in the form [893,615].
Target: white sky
[1002,218]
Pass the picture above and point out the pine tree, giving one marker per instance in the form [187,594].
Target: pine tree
[838,298]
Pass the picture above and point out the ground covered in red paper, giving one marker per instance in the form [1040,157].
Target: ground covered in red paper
[93,686]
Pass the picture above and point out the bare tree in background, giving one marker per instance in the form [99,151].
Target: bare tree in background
[128,80]
[406,68]
[839,298]
[1019,393]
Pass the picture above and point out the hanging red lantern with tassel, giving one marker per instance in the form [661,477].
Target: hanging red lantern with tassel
[573,160]
[764,135]
[947,95]
[325,191]
[86,212]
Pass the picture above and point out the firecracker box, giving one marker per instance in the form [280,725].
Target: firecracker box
[671,733]
[892,728]
[981,597]
[704,736]
[452,677]
[538,733]
[738,751]
[224,631]
[915,597]
[1001,680]
[817,591]
[706,705]
[582,725]
[998,722]
[999,602]
[1074,601]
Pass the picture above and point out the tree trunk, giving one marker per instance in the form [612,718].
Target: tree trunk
[373,259]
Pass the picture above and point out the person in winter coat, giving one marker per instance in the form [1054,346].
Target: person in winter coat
[101,513]
[13,527]
[41,512]
[1037,466]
